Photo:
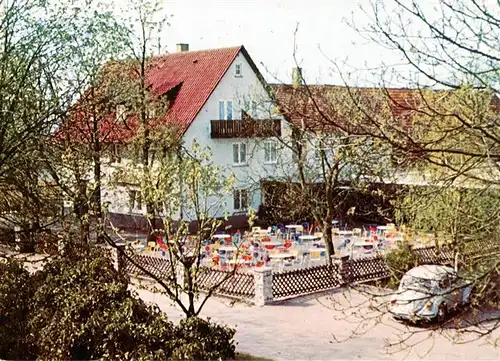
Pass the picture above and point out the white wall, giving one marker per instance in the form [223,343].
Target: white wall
[236,89]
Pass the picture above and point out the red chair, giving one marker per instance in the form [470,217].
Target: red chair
[260,264]
[287,244]
[266,239]
[159,241]
[269,246]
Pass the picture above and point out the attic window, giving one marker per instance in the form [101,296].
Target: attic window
[120,112]
[237,71]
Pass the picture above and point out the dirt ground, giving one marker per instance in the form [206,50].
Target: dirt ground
[334,326]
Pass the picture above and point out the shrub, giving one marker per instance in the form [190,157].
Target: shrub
[198,339]
[16,290]
[84,310]
[80,307]
[400,261]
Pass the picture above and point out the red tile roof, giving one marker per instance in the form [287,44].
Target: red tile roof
[316,106]
[195,74]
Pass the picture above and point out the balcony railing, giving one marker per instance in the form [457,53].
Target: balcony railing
[247,128]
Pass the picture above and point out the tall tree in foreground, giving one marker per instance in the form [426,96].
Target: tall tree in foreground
[42,55]
[328,167]
[142,105]
[191,191]
[74,156]
[446,138]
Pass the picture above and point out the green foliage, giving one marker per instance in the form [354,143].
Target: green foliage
[85,311]
[79,307]
[197,339]
[452,214]
[15,292]
[400,261]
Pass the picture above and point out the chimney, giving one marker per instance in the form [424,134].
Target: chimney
[297,77]
[181,47]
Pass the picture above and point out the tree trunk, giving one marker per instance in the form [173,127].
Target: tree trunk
[96,199]
[327,238]
[188,278]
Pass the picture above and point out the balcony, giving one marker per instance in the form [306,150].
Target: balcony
[246,128]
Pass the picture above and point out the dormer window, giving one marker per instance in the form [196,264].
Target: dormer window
[237,71]
[120,112]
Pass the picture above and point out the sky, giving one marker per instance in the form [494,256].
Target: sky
[266,29]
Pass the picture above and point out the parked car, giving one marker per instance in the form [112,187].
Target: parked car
[428,293]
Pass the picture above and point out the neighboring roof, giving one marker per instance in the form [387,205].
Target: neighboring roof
[314,106]
[430,271]
[190,78]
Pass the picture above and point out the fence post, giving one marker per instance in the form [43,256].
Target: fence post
[263,278]
[345,270]
[117,256]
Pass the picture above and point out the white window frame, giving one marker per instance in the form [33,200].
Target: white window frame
[121,111]
[238,73]
[241,196]
[270,152]
[239,160]
[134,200]
[225,106]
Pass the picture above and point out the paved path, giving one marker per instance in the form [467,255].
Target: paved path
[305,329]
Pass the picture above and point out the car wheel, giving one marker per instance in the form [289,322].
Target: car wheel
[442,313]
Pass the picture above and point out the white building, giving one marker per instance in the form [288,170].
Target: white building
[214,95]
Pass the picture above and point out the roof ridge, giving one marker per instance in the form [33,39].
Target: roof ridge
[197,51]
[347,86]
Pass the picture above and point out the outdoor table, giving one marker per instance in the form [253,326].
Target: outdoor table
[344,233]
[272,243]
[282,256]
[221,236]
[237,261]
[308,237]
[227,248]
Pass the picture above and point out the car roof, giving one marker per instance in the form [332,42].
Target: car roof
[430,271]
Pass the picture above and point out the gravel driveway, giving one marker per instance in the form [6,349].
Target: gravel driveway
[320,328]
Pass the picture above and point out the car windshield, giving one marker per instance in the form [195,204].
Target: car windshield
[416,283]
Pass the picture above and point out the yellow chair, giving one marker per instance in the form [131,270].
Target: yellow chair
[315,256]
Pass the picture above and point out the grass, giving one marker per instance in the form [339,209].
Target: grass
[247,357]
